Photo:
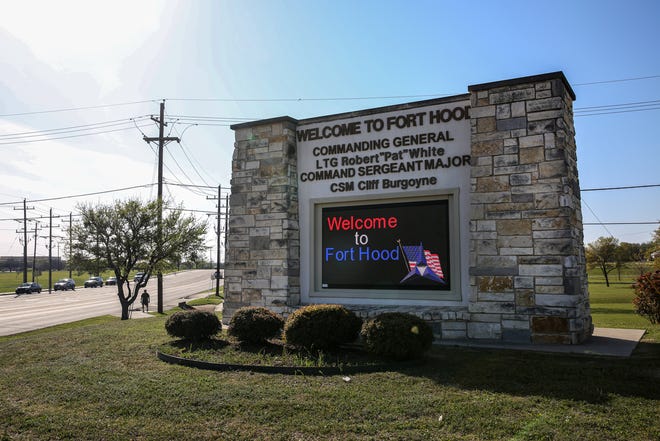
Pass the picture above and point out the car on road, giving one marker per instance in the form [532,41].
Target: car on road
[111,281]
[64,285]
[138,277]
[28,288]
[94,282]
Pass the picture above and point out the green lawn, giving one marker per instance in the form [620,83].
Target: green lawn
[611,307]
[9,281]
[100,379]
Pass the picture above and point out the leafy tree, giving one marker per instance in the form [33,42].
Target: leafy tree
[655,248]
[604,254]
[630,252]
[636,254]
[647,296]
[123,236]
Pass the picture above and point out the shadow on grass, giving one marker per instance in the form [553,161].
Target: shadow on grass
[201,345]
[272,357]
[351,355]
[611,311]
[578,378]
[572,377]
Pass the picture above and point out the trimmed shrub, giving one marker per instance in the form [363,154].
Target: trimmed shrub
[255,324]
[322,327]
[397,335]
[193,325]
[647,296]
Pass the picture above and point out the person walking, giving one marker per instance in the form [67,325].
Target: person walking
[145,300]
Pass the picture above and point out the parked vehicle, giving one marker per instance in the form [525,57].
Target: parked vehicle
[94,282]
[28,288]
[138,277]
[111,281]
[64,285]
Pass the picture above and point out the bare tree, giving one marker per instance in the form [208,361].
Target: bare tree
[123,237]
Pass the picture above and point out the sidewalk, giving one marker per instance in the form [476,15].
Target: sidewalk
[609,342]
[136,311]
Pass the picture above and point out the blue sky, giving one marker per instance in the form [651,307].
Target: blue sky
[243,60]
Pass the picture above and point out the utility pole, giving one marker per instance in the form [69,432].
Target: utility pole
[69,260]
[50,251]
[25,242]
[34,256]
[25,239]
[161,144]
[217,260]
[218,232]
[59,259]
[226,218]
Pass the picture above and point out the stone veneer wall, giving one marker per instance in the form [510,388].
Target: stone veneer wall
[263,247]
[527,264]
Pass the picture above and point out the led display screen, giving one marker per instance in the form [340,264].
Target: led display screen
[397,246]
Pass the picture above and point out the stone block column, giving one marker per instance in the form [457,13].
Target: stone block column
[528,277]
[262,263]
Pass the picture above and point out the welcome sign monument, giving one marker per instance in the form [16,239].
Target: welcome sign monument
[463,210]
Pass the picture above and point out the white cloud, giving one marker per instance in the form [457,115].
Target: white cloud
[82,35]
[54,168]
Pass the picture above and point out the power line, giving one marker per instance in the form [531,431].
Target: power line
[175,177]
[432,95]
[599,221]
[618,111]
[184,173]
[616,81]
[212,121]
[190,210]
[183,149]
[70,129]
[605,106]
[69,136]
[33,218]
[439,95]
[197,186]
[211,118]
[187,157]
[619,188]
[81,195]
[72,109]
[622,223]
[639,106]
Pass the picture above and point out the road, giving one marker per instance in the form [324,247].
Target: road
[26,312]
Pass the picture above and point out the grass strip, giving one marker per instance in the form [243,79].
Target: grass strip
[100,379]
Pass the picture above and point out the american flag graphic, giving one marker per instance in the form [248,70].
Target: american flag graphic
[420,261]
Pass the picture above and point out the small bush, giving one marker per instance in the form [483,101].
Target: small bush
[255,324]
[397,335]
[193,325]
[647,296]
[322,327]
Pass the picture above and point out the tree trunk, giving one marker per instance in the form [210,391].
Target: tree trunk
[605,273]
[125,302]
[124,310]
